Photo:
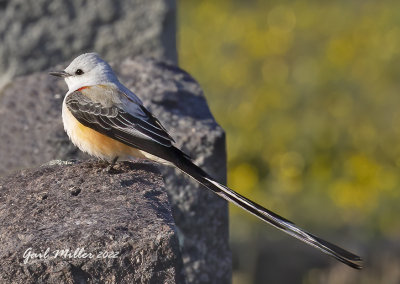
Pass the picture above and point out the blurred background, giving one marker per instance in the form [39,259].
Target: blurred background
[308,93]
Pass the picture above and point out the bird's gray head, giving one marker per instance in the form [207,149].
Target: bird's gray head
[87,70]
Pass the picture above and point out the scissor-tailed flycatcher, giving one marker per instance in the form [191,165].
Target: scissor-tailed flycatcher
[105,119]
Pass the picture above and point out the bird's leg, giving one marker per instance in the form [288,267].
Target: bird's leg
[111,165]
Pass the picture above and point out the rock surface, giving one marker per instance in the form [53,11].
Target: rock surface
[34,134]
[37,34]
[122,218]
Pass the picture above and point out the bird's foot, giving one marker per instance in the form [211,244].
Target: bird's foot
[110,169]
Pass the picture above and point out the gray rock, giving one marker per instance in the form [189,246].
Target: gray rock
[122,219]
[37,34]
[201,216]
[33,135]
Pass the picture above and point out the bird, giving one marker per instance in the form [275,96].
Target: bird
[105,119]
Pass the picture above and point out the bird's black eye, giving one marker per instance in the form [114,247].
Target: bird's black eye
[79,72]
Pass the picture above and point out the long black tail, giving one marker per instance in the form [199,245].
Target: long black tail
[266,215]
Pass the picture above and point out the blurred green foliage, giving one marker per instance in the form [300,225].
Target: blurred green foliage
[308,93]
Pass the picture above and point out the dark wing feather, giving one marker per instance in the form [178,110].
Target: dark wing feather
[154,121]
[117,123]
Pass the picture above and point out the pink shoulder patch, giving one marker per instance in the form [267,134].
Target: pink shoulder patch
[82,88]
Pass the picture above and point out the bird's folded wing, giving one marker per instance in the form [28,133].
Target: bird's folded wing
[115,122]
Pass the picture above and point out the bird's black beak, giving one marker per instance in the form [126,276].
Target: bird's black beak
[61,74]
